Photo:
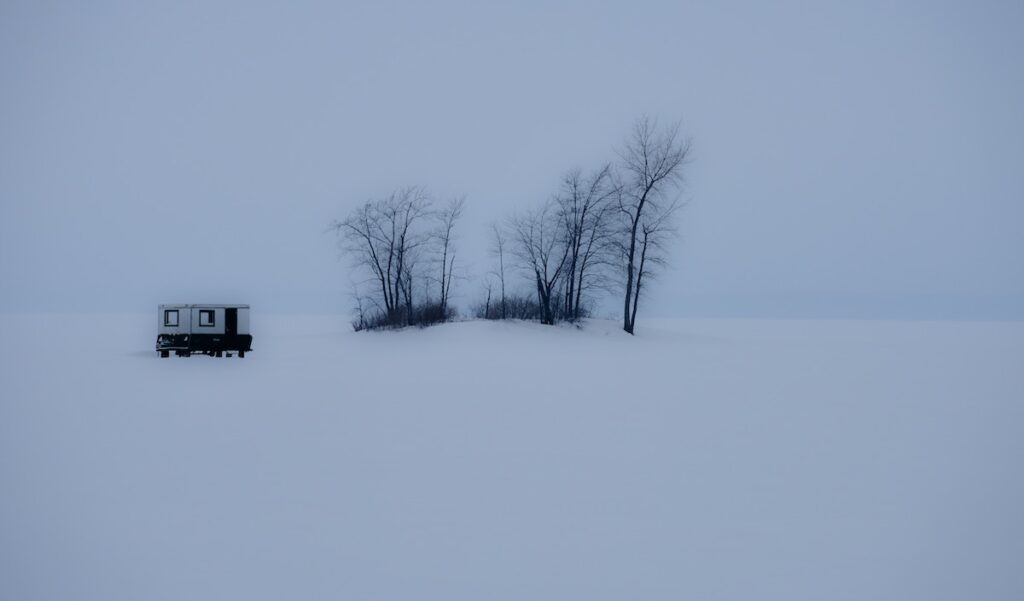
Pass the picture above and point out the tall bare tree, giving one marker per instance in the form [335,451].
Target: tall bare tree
[652,170]
[584,207]
[384,238]
[655,230]
[542,253]
[489,284]
[448,215]
[498,249]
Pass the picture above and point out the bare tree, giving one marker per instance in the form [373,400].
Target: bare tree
[489,288]
[384,238]
[498,249]
[657,228]
[585,207]
[445,235]
[652,164]
[362,307]
[542,253]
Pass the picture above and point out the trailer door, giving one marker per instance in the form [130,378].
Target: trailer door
[230,321]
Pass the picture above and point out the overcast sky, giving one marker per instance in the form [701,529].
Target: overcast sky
[851,159]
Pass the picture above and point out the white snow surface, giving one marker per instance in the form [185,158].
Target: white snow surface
[789,460]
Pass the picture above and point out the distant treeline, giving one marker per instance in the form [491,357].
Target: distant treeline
[603,232]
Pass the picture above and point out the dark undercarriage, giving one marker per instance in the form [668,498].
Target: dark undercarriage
[214,345]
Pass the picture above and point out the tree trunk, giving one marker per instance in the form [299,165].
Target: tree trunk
[627,325]
[540,298]
[639,277]
[444,269]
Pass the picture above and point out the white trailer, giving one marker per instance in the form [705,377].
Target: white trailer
[206,329]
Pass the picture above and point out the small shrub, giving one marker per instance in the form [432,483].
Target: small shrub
[520,307]
[422,316]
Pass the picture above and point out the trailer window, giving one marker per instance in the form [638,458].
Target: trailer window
[171,318]
[206,317]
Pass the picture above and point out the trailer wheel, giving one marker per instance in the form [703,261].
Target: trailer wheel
[165,354]
[241,354]
[219,354]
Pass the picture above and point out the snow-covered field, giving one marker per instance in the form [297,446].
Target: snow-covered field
[754,460]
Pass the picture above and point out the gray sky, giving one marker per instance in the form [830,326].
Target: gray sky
[852,159]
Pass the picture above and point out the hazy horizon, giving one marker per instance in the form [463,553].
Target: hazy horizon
[857,161]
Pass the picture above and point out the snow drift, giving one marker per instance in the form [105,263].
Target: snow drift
[699,460]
